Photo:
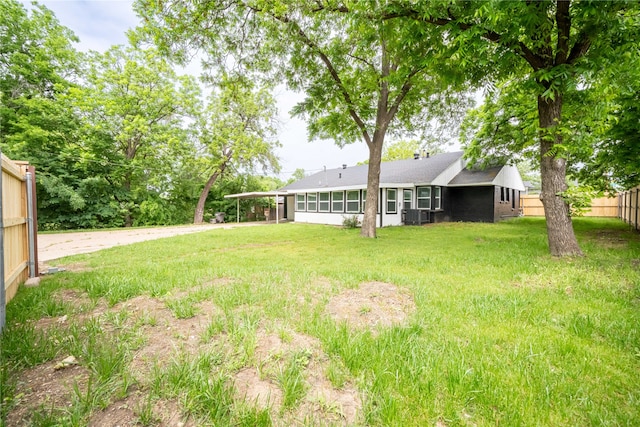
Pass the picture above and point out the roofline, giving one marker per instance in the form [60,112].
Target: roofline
[256,194]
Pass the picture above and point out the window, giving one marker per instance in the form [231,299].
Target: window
[437,197]
[506,193]
[323,204]
[337,201]
[364,199]
[353,201]
[391,200]
[300,202]
[513,199]
[312,202]
[424,197]
[407,199]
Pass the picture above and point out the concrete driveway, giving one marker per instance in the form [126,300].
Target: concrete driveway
[52,246]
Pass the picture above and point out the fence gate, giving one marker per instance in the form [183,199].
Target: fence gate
[18,224]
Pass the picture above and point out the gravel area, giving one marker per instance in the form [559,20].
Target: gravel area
[58,245]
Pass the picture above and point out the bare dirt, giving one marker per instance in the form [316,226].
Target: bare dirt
[372,305]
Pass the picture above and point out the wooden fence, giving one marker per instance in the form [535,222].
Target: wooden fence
[17,229]
[628,207]
[531,205]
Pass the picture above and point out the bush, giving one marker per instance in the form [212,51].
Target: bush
[350,221]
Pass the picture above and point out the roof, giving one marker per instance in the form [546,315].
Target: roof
[255,195]
[476,176]
[410,171]
[446,169]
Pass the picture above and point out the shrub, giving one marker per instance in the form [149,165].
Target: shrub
[350,221]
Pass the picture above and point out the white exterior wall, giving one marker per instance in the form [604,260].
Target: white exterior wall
[449,173]
[509,177]
[334,218]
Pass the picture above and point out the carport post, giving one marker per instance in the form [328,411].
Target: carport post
[238,210]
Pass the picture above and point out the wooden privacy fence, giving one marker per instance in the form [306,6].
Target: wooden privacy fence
[531,205]
[628,207]
[18,250]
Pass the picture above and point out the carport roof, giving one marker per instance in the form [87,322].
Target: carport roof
[255,194]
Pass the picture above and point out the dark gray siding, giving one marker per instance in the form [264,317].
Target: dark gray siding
[474,204]
[506,208]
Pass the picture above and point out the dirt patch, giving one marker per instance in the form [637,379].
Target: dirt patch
[323,404]
[165,335]
[609,239]
[259,392]
[371,306]
[45,387]
[136,410]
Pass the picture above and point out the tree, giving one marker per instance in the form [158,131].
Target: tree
[612,163]
[134,108]
[363,78]
[297,175]
[236,130]
[38,67]
[545,51]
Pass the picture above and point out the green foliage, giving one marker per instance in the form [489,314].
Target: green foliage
[579,198]
[235,131]
[364,76]
[350,221]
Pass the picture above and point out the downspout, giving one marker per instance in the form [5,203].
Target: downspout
[30,230]
[3,301]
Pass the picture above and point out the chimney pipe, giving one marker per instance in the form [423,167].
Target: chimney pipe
[344,166]
[416,155]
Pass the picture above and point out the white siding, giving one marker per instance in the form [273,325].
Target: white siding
[448,174]
[509,177]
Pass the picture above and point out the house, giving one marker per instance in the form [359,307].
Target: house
[437,188]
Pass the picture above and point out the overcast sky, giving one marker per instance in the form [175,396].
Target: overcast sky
[102,23]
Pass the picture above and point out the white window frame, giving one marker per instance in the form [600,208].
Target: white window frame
[327,202]
[405,200]
[363,195]
[437,198]
[422,199]
[392,202]
[312,205]
[334,201]
[301,202]
[355,194]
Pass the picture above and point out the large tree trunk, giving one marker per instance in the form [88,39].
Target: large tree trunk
[199,214]
[373,186]
[553,170]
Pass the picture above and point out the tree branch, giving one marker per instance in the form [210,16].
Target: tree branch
[517,47]
[563,21]
[335,76]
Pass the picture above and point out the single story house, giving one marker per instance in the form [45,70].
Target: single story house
[438,188]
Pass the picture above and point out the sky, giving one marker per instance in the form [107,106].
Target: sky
[100,24]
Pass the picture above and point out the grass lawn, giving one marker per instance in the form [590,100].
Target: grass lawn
[452,324]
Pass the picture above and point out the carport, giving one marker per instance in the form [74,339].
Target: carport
[257,195]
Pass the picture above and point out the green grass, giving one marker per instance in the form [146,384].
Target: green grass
[503,333]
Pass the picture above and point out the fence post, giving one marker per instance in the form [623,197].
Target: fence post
[637,193]
[3,302]
[30,231]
